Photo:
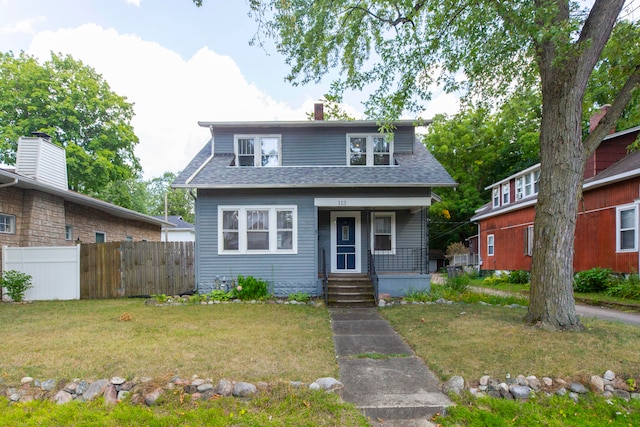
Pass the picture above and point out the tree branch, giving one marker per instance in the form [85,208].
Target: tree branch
[613,114]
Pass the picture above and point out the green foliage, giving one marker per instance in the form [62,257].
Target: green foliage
[220,295]
[594,280]
[162,298]
[250,288]
[179,202]
[16,283]
[452,294]
[299,296]
[628,288]
[496,279]
[75,105]
[458,283]
[519,277]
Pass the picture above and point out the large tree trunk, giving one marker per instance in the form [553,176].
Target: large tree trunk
[552,304]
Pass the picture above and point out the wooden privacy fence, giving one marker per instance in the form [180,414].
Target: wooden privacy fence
[130,269]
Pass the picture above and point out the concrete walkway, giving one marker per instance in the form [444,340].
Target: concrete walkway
[394,388]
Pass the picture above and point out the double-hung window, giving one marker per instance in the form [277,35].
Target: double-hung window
[506,196]
[495,196]
[519,187]
[257,229]
[369,150]
[490,245]
[384,232]
[626,228]
[257,150]
[528,240]
[7,224]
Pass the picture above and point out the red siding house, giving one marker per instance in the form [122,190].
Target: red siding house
[607,223]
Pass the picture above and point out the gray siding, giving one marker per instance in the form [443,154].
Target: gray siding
[312,146]
[285,272]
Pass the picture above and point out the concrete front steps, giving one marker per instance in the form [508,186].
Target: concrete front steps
[350,290]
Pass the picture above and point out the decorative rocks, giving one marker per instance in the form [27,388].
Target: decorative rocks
[455,384]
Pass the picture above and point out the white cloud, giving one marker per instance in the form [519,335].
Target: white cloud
[25,26]
[170,95]
[134,2]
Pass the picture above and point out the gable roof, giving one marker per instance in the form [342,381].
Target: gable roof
[177,221]
[13,179]
[417,169]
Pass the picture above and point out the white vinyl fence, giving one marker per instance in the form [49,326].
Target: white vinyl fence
[55,271]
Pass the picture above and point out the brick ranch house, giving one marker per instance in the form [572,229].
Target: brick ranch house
[38,209]
[608,215]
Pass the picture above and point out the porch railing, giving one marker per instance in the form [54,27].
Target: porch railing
[402,260]
[373,275]
[325,276]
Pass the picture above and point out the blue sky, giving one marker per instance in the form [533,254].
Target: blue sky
[179,64]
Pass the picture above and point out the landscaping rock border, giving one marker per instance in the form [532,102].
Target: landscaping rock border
[144,391]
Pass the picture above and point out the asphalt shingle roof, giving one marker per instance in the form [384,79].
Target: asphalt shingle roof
[419,169]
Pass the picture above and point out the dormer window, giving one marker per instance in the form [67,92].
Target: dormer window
[257,150]
[527,185]
[506,194]
[496,197]
[369,150]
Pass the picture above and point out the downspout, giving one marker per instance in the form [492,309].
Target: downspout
[9,184]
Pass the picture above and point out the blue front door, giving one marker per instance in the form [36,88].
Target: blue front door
[345,243]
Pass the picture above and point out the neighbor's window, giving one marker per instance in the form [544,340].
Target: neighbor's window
[490,245]
[496,196]
[68,232]
[506,196]
[257,150]
[257,229]
[626,225]
[527,185]
[101,237]
[7,224]
[519,188]
[528,240]
[369,150]
[384,232]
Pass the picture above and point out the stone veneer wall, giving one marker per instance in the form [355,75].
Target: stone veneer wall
[41,219]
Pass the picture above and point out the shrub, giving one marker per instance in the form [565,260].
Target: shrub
[628,288]
[496,279]
[250,288]
[299,296]
[591,281]
[16,283]
[519,277]
[220,295]
[458,283]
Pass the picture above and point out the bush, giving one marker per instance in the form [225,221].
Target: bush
[250,288]
[219,295]
[592,281]
[299,296]
[628,288]
[16,283]
[519,277]
[458,283]
[496,279]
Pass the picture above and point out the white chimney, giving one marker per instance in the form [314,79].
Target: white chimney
[41,160]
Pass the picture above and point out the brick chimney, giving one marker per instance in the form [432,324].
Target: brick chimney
[608,152]
[597,116]
[318,111]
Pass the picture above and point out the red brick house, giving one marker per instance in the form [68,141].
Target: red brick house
[37,209]
[607,224]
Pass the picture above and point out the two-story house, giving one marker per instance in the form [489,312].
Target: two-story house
[607,222]
[302,203]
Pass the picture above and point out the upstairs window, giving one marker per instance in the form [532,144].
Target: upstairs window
[7,224]
[527,185]
[506,196]
[495,196]
[257,150]
[369,150]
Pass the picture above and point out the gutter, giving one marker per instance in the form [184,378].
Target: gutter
[9,184]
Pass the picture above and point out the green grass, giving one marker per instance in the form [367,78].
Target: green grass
[88,339]
[474,340]
[543,411]
[283,406]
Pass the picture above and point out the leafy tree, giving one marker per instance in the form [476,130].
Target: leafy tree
[486,47]
[75,105]
[332,109]
[179,202]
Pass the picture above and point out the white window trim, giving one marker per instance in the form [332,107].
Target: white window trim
[12,222]
[495,197]
[273,230]
[68,232]
[392,215]
[104,234]
[619,209]
[522,187]
[528,240]
[257,151]
[491,243]
[506,191]
[370,153]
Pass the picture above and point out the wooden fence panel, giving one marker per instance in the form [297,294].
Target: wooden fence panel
[128,269]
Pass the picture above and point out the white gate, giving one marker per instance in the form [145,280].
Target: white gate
[55,270]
